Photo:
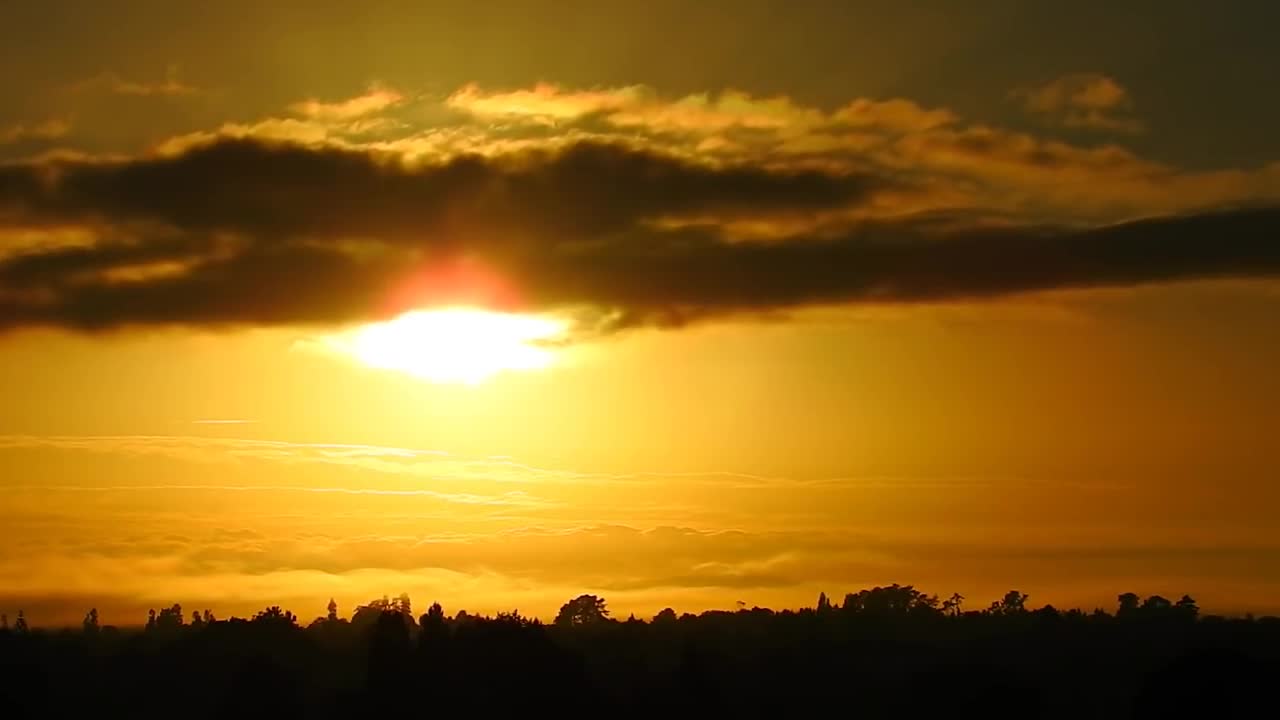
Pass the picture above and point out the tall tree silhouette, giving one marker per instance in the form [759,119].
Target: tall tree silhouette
[582,610]
[1013,603]
[1187,608]
[1128,604]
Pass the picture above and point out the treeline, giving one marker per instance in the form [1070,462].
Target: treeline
[881,652]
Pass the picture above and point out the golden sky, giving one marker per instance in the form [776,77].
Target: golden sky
[681,304]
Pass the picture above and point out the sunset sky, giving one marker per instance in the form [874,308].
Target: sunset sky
[679,303]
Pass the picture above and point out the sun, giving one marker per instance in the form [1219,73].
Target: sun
[460,345]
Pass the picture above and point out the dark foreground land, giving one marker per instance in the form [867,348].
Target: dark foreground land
[886,652]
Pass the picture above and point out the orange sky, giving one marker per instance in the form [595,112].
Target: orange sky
[916,313]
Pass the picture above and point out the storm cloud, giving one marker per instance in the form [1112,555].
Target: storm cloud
[247,232]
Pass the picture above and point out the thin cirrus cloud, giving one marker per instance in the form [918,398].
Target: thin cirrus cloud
[386,461]
[509,499]
[500,474]
[630,210]
[309,538]
[116,84]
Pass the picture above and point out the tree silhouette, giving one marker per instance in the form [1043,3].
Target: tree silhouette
[371,614]
[1128,605]
[20,625]
[389,660]
[898,650]
[332,615]
[275,616]
[582,610]
[91,621]
[894,600]
[435,626]
[1186,608]
[1156,605]
[434,615]
[1013,603]
[367,615]
[168,620]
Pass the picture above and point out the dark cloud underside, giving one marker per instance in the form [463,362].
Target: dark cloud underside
[244,232]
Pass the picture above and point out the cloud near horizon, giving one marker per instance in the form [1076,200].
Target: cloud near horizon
[502,535]
[618,205]
[51,129]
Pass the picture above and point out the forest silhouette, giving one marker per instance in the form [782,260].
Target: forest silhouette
[881,652]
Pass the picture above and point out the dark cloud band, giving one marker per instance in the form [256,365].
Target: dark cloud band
[242,232]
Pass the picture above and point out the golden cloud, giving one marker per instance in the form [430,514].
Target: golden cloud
[374,101]
[48,130]
[1082,100]
[624,188]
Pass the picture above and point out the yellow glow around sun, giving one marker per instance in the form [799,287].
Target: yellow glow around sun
[456,345]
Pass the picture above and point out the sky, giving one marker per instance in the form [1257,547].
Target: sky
[682,304]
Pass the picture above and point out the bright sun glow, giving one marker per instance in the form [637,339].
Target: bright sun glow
[456,345]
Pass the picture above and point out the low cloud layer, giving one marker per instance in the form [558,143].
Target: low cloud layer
[668,213]
[47,130]
[233,524]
